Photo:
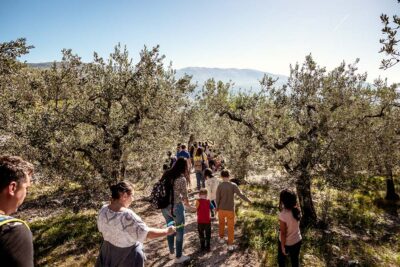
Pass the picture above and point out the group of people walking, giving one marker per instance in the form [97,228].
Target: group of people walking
[124,231]
[199,157]
[215,200]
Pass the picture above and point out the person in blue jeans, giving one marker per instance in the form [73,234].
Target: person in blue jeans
[200,164]
[174,213]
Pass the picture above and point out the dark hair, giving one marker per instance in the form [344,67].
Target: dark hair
[289,200]
[183,146]
[208,173]
[13,169]
[199,151]
[225,173]
[203,191]
[169,153]
[165,166]
[176,171]
[120,188]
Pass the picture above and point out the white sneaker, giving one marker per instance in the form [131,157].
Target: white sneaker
[231,248]
[182,259]
[221,240]
[171,256]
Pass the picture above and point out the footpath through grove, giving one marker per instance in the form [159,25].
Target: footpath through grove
[157,252]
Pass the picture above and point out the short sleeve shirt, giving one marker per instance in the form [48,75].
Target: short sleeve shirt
[212,185]
[183,154]
[180,190]
[293,234]
[123,228]
[16,248]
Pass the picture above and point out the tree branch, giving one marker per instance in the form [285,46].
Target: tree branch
[259,135]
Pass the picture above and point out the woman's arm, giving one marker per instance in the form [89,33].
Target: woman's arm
[184,193]
[205,158]
[155,232]
[282,232]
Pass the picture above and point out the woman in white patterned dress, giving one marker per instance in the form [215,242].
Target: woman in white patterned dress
[123,231]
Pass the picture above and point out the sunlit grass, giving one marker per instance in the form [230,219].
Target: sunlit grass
[259,223]
[67,239]
[37,190]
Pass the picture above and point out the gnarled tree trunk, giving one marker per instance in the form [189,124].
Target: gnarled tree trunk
[390,189]
[303,188]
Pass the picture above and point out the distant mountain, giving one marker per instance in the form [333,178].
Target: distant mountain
[243,79]
[42,65]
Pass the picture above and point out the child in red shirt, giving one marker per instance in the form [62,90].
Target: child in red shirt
[204,206]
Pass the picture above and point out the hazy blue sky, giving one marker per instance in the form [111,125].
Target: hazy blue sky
[256,34]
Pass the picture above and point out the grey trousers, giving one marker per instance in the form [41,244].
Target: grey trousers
[112,256]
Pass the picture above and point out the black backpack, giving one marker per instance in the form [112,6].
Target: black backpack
[162,194]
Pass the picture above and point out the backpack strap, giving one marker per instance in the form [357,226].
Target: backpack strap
[8,219]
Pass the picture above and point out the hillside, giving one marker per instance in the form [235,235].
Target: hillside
[243,79]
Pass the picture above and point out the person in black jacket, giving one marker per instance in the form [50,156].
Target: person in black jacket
[16,247]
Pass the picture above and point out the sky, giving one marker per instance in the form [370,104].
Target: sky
[266,35]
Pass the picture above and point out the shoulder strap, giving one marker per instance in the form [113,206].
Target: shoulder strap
[8,219]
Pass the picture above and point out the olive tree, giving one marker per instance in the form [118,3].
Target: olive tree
[92,119]
[381,133]
[390,41]
[296,123]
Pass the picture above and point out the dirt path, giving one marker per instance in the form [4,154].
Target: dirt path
[157,250]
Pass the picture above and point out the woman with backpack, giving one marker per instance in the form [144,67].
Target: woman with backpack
[200,164]
[174,213]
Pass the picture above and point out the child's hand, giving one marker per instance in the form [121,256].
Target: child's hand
[171,230]
[191,209]
[283,249]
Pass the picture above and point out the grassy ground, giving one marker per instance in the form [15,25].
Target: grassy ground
[67,239]
[64,230]
[358,231]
